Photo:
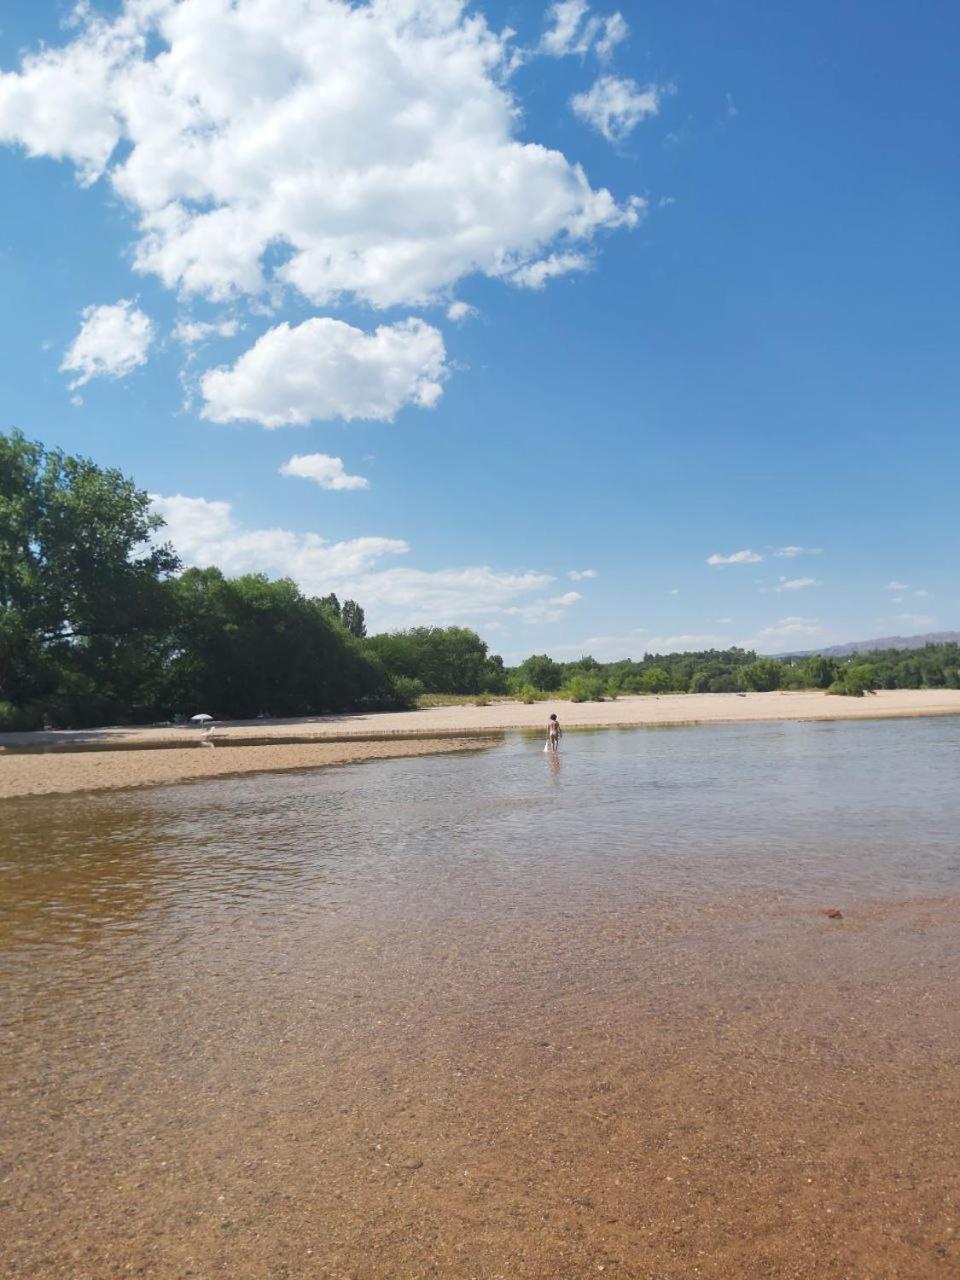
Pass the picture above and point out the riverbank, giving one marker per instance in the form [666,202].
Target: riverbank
[60,773]
[62,761]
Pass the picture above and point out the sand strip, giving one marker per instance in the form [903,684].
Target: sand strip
[64,772]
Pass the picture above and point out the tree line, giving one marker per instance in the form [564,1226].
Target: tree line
[737,671]
[100,624]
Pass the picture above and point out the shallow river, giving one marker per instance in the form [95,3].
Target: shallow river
[494,1014]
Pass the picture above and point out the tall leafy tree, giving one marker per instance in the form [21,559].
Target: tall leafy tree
[351,615]
[81,579]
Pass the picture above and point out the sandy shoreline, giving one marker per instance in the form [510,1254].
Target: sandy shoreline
[93,759]
[61,774]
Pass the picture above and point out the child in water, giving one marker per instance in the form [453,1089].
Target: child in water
[554,734]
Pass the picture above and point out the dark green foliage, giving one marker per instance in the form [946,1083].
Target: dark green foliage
[539,671]
[443,659]
[247,646]
[93,627]
[819,671]
[82,593]
[352,617]
[763,675]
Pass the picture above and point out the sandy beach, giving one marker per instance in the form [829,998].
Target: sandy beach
[94,759]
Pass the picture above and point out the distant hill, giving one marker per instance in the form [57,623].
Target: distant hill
[885,642]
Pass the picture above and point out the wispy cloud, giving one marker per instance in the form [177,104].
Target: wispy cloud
[460,311]
[207,532]
[796,584]
[919,620]
[785,630]
[572,29]
[580,575]
[615,106]
[893,585]
[736,557]
[636,642]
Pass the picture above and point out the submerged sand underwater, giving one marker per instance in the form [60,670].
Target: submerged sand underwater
[481,1016]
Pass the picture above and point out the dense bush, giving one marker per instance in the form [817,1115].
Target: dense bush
[584,687]
[405,691]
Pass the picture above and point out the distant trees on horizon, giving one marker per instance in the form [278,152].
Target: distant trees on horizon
[99,625]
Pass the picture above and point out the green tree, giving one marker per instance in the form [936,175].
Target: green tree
[443,659]
[351,615]
[82,600]
[541,672]
[819,671]
[763,675]
[331,605]
[249,646]
[860,679]
[655,680]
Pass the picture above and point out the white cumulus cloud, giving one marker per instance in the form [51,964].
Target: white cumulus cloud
[206,533]
[323,470]
[323,369]
[581,575]
[615,106]
[112,342]
[736,557]
[360,150]
[796,584]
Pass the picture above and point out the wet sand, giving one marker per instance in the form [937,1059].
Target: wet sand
[383,1027]
[730,1091]
[338,739]
[65,772]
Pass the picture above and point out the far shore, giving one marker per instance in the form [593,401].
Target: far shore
[59,761]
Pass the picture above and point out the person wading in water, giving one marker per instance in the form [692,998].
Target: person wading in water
[554,734]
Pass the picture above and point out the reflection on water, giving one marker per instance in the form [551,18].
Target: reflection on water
[821,811]
[205,967]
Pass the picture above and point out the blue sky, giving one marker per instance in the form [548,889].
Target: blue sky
[757,353]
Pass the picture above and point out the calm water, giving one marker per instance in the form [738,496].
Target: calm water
[823,812]
[493,1014]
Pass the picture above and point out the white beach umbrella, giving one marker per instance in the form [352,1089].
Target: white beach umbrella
[202,718]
